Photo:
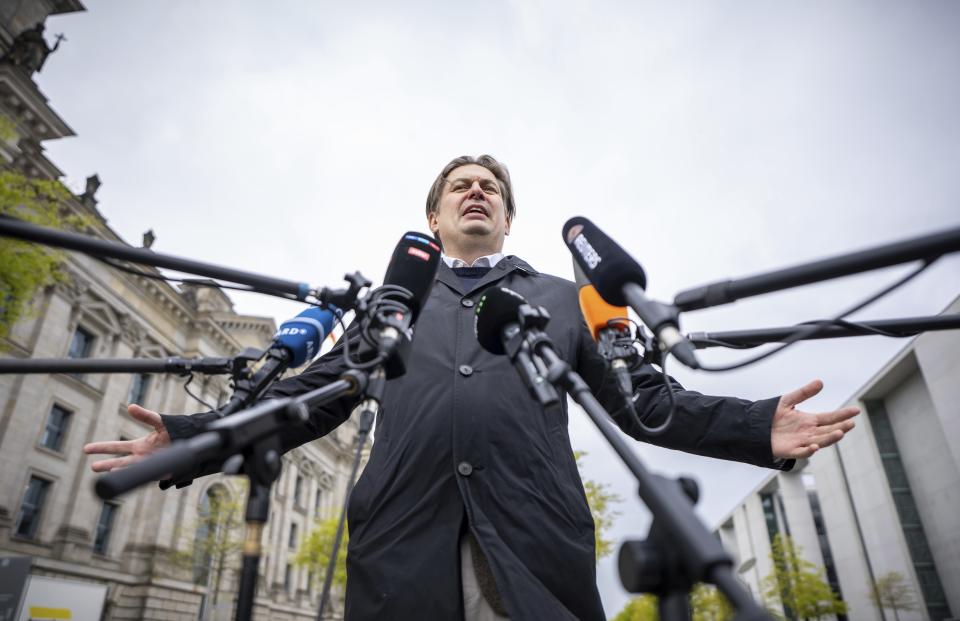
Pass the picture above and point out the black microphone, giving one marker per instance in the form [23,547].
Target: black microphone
[500,319]
[620,281]
[496,317]
[394,307]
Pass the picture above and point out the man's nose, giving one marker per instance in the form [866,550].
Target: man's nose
[476,191]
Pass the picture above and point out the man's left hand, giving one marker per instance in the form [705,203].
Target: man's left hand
[798,435]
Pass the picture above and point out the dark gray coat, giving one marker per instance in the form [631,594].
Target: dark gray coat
[460,443]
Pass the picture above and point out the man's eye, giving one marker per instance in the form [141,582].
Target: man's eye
[491,189]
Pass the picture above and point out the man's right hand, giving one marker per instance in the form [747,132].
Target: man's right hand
[130,451]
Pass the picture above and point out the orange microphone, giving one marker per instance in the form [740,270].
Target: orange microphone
[610,328]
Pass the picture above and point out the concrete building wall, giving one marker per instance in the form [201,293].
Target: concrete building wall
[918,392]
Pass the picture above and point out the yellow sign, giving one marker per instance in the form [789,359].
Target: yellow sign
[37,613]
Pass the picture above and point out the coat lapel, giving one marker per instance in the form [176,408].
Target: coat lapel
[507,264]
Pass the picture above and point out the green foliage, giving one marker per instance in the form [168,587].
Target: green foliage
[8,129]
[25,268]
[709,604]
[892,591]
[798,584]
[601,503]
[215,539]
[314,551]
[642,608]
[706,603]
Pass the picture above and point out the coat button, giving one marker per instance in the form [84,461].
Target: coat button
[466,370]
[464,468]
[467,302]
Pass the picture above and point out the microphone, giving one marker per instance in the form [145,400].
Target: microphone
[394,307]
[497,318]
[300,338]
[297,340]
[499,321]
[620,281]
[610,329]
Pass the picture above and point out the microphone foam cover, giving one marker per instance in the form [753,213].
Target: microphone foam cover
[414,266]
[303,334]
[604,262]
[497,308]
[596,312]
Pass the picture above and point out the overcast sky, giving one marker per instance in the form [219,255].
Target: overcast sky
[711,140]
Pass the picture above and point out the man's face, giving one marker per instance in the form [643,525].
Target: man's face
[471,207]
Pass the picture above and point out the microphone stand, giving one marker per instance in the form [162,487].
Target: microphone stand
[679,550]
[101,248]
[179,366]
[247,439]
[368,414]
[895,328]
[926,248]
[393,349]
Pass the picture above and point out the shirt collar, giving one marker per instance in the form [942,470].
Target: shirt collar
[489,260]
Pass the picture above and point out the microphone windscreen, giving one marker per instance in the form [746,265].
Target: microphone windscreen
[303,334]
[414,266]
[596,312]
[603,261]
[497,308]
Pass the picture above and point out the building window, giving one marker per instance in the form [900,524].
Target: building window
[56,428]
[930,585]
[212,520]
[298,491]
[104,526]
[769,515]
[292,542]
[824,542]
[317,501]
[82,343]
[32,506]
[138,389]
[288,578]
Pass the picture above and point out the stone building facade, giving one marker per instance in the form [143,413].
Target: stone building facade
[143,545]
[886,499]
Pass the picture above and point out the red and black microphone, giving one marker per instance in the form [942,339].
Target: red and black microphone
[395,305]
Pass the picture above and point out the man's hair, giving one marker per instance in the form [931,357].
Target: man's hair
[487,161]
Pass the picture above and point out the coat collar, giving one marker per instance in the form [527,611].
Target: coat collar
[506,265]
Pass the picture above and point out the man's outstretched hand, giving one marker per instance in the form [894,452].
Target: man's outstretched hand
[797,435]
[130,451]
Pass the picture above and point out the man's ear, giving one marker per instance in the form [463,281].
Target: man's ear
[432,222]
[506,229]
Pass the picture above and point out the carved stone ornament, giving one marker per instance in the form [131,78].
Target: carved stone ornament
[30,50]
[89,196]
[73,287]
[131,331]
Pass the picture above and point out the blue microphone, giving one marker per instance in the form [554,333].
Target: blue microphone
[302,336]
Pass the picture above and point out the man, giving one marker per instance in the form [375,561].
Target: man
[471,506]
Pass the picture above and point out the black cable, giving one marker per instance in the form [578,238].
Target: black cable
[662,427]
[819,326]
[189,281]
[186,387]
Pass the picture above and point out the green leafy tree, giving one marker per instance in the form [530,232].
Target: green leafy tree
[642,608]
[798,584]
[25,268]
[601,502]
[215,539]
[892,591]
[314,551]
[707,603]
